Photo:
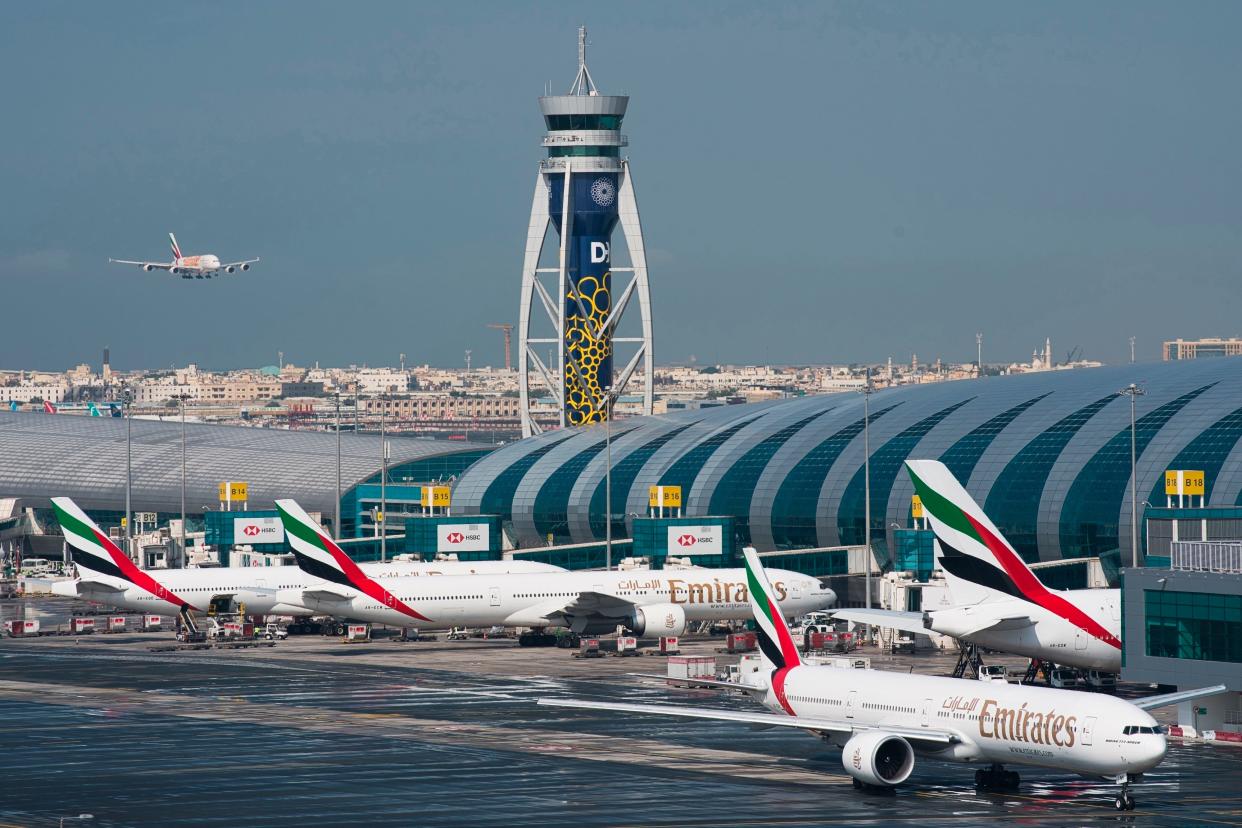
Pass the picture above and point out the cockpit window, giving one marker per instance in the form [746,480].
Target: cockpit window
[1130,730]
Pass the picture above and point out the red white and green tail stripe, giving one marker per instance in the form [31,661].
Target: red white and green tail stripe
[775,640]
[95,553]
[973,549]
[319,556]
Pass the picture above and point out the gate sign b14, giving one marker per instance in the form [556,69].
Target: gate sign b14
[462,537]
[695,540]
[258,530]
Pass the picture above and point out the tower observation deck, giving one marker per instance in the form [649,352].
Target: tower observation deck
[584,189]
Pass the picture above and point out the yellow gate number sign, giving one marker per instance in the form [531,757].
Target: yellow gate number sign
[1184,482]
[916,507]
[436,496]
[667,497]
[233,492]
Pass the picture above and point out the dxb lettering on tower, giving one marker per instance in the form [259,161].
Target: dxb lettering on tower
[573,352]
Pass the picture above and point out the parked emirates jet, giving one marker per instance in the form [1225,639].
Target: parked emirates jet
[108,576]
[651,602]
[882,720]
[999,603]
[190,267]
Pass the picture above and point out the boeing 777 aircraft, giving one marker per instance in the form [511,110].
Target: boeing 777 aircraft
[190,267]
[882,720]
[108,576]
[651,602]
[999,602]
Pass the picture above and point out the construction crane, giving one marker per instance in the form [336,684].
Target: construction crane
[508,329]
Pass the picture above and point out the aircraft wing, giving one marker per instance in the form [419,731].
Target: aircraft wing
[1005,624]
[327,592]
[822,725]
[239,264]
[895,619]
[592,603]
[152,265]
[1153,702]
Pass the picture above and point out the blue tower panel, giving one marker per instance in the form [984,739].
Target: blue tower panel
[588,299]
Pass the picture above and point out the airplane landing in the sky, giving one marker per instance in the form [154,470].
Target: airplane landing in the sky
[191,267]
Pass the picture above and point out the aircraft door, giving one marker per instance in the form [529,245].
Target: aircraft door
[1080,641]
[851,704]
[1088,729]
[495,596]
[927,708]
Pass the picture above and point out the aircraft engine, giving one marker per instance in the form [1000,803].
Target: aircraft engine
[878,758]
[245,267]
[230,269]
[659,619]
[147,268]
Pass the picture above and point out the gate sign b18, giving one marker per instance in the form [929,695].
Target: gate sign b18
[258,530]
[462,537]
[695,540]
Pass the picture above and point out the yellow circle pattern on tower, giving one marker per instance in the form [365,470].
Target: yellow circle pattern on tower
[584,395]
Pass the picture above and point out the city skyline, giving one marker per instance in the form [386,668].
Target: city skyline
[952,169]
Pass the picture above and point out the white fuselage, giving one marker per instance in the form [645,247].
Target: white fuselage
[529,600]
[197,264]
[259,587]
[1051,638]
[995,722]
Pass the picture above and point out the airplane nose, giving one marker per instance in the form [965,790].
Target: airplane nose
[1152,753]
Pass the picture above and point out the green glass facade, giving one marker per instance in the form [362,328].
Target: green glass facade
[1193,625]
[583,121]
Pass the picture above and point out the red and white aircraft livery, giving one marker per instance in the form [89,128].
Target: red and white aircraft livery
[999,603]
[882,720]
[190,267]
[651,602]
[108,576]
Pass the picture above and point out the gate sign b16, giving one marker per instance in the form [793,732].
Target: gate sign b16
[695,540]
[462,537]
[258,530]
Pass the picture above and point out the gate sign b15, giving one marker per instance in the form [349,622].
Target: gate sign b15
[258,530]
[462,537]
[695,540]
[1183,482]
[438,497]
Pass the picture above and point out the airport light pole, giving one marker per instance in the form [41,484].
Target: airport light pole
[979,354]
[608,401]
[129,470]
[182,398]
[383,480]
[1133,392]
[336,526]
[867,392]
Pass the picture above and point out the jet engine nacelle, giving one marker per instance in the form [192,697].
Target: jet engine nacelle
[231,269]
[147,268]
[878,758]
[245,267]
[659,620]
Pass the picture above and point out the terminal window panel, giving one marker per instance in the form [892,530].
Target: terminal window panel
[1193,625]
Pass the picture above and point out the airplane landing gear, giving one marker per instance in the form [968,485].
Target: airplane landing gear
[997,778]
[1124,802]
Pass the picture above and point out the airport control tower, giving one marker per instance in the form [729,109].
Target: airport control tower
[584,188]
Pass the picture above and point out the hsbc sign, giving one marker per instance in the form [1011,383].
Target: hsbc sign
[462,537]
[695,540]
[258,530]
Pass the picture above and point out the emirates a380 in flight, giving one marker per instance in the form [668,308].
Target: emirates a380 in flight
[191,267]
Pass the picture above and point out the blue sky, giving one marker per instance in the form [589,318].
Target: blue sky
[818,182]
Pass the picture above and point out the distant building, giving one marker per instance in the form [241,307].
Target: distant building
[1198,348]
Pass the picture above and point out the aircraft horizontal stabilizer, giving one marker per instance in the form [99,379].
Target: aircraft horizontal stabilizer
[891,619]
[1154,702]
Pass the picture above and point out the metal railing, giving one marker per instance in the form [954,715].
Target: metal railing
[1207,556]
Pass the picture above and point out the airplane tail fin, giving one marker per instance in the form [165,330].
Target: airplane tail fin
[94,411]
[318,555]
[93,552]
[13,405]
[776,642]
[176,248]
[114,409]
[49,407]
[978,563]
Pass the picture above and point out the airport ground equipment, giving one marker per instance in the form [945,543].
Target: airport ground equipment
[569,314]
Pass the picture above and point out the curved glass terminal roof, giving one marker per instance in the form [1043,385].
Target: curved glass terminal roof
[1047,453]
[44,455]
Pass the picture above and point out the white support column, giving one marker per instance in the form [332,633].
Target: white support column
[535,235]
[631,226]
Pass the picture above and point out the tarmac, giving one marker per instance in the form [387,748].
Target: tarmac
[316,732]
